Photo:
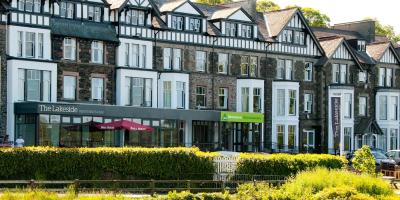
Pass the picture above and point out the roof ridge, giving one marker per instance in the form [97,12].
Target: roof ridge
[281,10]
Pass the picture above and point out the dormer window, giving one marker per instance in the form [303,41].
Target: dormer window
[293,37]
[230,29]
[29,5]
[194,24]
[67,10]
[177,23]
[361,45]
[94,13]
[246,31]
[135,17]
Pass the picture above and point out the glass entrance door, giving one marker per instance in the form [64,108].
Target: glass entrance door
[246,137]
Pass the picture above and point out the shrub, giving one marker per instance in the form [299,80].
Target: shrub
[285,164]
[104,163]
[364,161]
[307,184]
[200,196]
[341,193]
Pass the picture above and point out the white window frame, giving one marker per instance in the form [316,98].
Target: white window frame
[245,99]
[348,105]
[97,51]
[308,103]
[308,71]
[40,45]
[292,100]
[97,89]
[69,91]
[69,47]
[223,95]
[201,61]
[383,107]
[167,58]
[167,94]
[30,40]
[223,63]
[180,94]
[257,100]
[362,105]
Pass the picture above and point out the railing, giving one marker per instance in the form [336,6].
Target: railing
[144,186]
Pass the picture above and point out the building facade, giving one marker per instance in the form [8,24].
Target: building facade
[221,77]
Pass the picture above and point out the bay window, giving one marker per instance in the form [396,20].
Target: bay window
[201,61]
[140,92]
[200,96]
[167,96]
[135,55]
[69,87]
[347,105]
[180,94]
[245,99]
[281,102]
[40,45]
[292,137]
[20,44]
[383,107]
[257,100]
[172,58]
[223,63]
[347,139]
[223,98]
[97,52]
[292,102]
[394,139]
[143,56]
[97,89]
[30,39]
[395,107]
[34,85]
[280,133]
[127,54]
[69,48]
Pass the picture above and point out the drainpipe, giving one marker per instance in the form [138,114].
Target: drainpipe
[212,72]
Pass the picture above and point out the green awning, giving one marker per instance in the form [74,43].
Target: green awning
[242,117]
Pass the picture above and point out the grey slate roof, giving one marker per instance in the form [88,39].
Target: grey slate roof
[367,124]
[327,32]
[87,30]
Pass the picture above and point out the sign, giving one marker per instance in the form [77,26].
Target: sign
[58,108]
[335,110]
[242,117]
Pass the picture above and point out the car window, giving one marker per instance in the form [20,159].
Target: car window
[379,155]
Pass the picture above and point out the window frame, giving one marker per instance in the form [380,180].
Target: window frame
[362,110]
[96,80]
[202,95]
[75,80]
[308,103]
[223,93]
[308,72]
[97,48]
[223,63]
[201,61]
[72,45]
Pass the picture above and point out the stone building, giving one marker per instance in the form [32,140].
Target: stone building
[179,73]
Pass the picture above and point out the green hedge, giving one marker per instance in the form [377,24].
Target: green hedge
[285,164]
[45,163]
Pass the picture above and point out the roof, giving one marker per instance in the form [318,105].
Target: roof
[209,10]
[321,32]
[115,4]
[277,20]
[366,126]
[158,23]
[376,50]
[171,6]
[330,45]
[81,29]
[224,13]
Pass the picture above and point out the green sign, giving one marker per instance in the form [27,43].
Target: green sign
[242,117]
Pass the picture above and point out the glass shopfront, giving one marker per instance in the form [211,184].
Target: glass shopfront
[82,131]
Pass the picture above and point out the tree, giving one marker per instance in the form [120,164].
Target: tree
[267,6]
[213,2]
[385,30]
[314,17]
[364,161]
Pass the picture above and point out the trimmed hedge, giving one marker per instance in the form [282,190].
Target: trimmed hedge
[286,164]
[46,163]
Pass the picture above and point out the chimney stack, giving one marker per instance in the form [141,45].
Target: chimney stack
[365,28]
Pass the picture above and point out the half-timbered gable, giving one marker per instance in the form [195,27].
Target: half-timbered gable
[33,13]
[87,10]
[291,32]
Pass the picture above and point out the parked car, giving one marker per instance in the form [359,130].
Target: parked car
[394,155]
[378,154]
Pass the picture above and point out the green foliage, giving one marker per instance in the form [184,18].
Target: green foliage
[386,30]
[314,17]
[341,193]
[267,6]
[307,184]
[200,196]
[213,2]
[285,164]
[364,161]
[104,163]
